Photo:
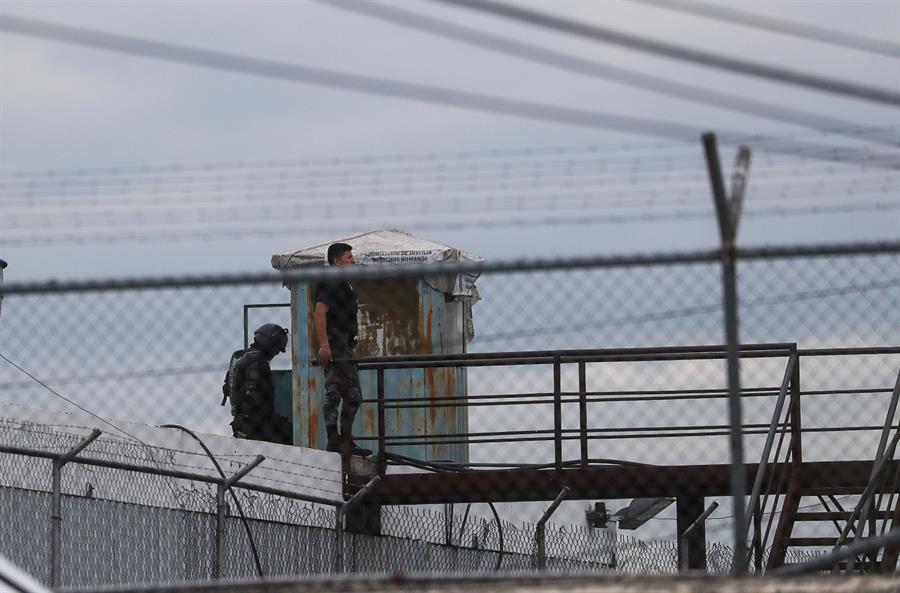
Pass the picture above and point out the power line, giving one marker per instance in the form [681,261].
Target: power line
[677,52]
[598,69]
[69,401]
[398,89]
[345,81]
[722,12]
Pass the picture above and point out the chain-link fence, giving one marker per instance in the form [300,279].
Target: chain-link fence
[599,382]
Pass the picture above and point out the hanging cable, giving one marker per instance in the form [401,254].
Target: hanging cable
[234,497]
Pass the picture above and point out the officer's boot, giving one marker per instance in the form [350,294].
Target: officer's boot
[357,450]
[334,439]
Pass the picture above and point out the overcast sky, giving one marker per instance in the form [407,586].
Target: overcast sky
[64,107]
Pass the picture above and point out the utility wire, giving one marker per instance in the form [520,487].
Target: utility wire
[677,52]
[723,12]
[396,89]
[237,503]
[69,401]
[625,76]
[354,82]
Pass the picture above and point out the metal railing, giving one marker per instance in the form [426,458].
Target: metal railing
[865,512]
[756,506]
[556,359]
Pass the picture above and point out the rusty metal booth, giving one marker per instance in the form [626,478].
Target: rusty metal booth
[399,316]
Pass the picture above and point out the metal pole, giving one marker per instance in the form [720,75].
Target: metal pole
[340,513]
[221,508]
[770,437]
[824,562]
[219,559]
[726,219]
[56,511]
[540,528]
[339,540]
[683,560]
[246,328]
[865,515]
[382,429]
[56,527]
[557,413]
[582,412]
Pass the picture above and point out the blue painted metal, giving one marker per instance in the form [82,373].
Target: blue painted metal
[284,397]
[397,317]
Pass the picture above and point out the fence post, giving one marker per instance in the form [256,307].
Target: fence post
[540,529]
[221,507]
[684,540]
[582,413]
[728,215]
[55,526]
[557,413]
[220,532]
[56,511]
[340,513]
[339,540]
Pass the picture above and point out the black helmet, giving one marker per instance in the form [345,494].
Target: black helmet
[271,337]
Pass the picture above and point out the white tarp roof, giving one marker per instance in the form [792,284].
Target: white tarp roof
[391,246]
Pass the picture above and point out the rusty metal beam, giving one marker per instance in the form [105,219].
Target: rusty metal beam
[600,482]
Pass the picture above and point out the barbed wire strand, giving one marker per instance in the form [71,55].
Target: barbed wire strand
[191,230]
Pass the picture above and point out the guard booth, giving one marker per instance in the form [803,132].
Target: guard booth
[428,315]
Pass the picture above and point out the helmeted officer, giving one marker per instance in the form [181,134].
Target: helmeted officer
[248,383]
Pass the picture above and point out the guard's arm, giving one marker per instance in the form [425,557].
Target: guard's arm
[321,324]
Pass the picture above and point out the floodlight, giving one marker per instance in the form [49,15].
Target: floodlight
[639,511]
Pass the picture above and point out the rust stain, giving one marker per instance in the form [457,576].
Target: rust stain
[313,429]
[425,328]
[370,427]
[431,394]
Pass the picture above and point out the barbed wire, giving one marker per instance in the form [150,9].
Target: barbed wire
[209,207]
[382,189]
[632,167]
[275,219]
